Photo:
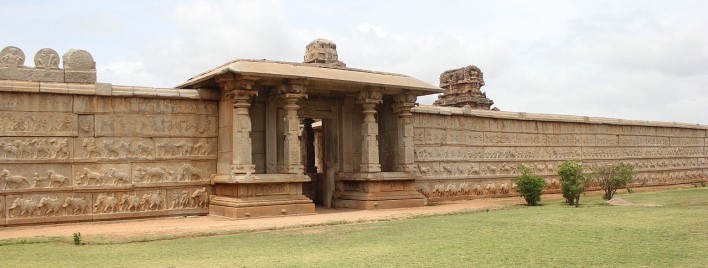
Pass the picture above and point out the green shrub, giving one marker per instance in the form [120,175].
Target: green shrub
[530,185]
[613,177]
[573,181]
[77,239]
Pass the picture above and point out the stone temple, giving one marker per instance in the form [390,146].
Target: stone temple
[259,138]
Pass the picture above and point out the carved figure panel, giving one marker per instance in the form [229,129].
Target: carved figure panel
[188,198]
[114,149]
[102,175]
[86,125]
[164,106]
[48,205]
[168,148]
[13,123]
[12,57]
[26,176]
[156,125]
[21,149]
[34,102]
[46,58]
[172,172]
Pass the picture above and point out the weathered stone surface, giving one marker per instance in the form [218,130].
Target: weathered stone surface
[35,102]
[14,123]
[12,57]
[156,125]
[102,176]
[462,88]
[322,51]
[46,58]
[34,176]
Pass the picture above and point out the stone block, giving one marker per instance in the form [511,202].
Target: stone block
[189,93]
[144,92]
[14,101]
[5,85]
[87,77]
[60,88]
[122,91]
[46,75]
[36,124]
[25,86]
[166,92]
[81,89]
[104,89]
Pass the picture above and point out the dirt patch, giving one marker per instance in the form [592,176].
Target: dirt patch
[625,203]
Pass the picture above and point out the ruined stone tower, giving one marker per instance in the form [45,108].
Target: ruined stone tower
[462,88]
[322,51]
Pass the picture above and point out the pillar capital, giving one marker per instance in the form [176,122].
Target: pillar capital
[372,95]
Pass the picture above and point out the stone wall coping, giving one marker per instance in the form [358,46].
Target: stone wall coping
[429,109]
[107,89]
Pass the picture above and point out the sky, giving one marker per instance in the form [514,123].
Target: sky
[641,60]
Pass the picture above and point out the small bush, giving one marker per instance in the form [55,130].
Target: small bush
[77,239]
[613,177]
[530,185]
[573,181]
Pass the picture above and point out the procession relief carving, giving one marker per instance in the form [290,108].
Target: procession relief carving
[102,175]
[163,106]
[465,189]
[48,205]
[168,148]
[146,173]
[38,103]
[188,198]
[86,123]
[13,123]
[156,125]
[34,149]
[27,176]
[114,148]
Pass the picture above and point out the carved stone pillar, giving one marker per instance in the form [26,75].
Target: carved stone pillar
[291,93]
[404,141]
[309,133]
[240,90]
[370,130]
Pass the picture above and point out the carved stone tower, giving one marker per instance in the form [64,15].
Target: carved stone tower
[322,51]
[462,88]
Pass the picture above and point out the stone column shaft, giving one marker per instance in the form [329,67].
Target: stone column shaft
[291,150]
[242,162]
[405,154]
[370,130]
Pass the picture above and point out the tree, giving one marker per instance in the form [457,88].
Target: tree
[530,185]
[573,181]
[613,177]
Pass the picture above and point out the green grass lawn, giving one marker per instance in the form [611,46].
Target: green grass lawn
[553,235]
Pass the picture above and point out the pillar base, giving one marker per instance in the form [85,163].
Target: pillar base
[259,195]
[377,191]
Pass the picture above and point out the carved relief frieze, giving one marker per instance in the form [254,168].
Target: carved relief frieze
[643,141]
[86,123]
[437,190]
[164,106]
[687,141]
[31,149]
[188,198]
[13,123]
[93,149]
[179,148]
[35,102]
[156,125]
[48,205]
[28,176]
[102,175]
[160,172]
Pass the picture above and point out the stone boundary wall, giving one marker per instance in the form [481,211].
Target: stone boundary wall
[464,153]
[83,152]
